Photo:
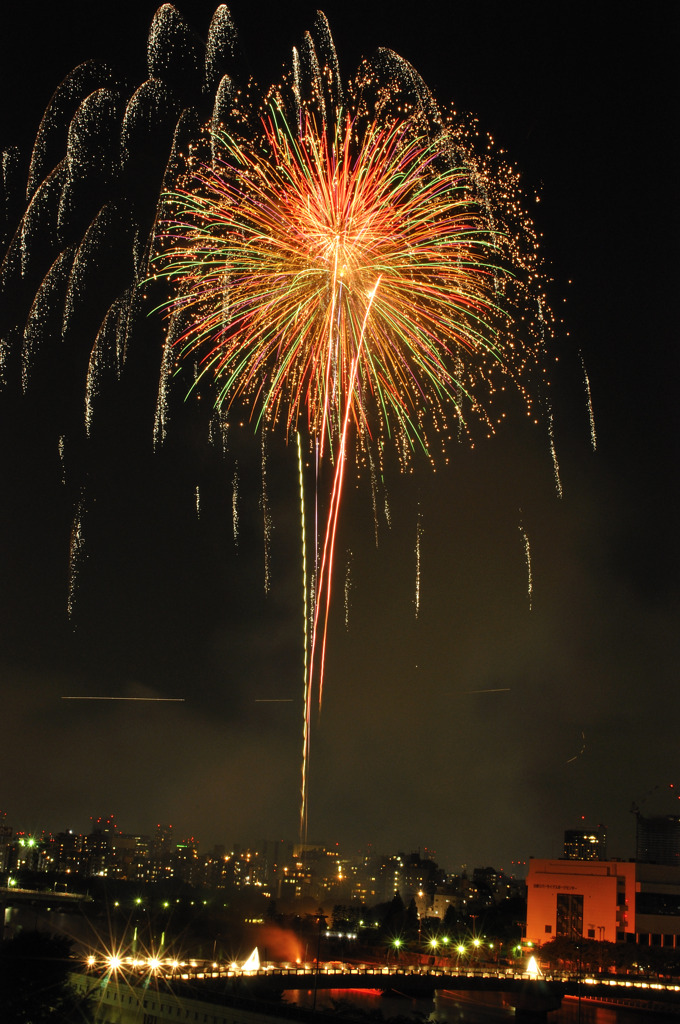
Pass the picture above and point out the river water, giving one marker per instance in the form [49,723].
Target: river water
[471,1008]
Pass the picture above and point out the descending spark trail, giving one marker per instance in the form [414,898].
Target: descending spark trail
[348,585]
[76,554]
[162,416]
[419,533]
[266,519]
[591,414]
[553,454]
[197,500]
[234,506]
[374,496]
[527,558]
[218,431]
[5,350]
[62,451]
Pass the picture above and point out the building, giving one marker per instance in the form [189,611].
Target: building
[657,840]
[575,899]
[610,901]
[657,905]
[585,843]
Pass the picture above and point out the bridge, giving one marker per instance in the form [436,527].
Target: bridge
[532,996]
[15,896]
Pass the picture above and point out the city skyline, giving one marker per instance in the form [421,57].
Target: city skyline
[489,721]
[588,841]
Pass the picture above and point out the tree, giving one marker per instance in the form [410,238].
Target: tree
[34,981]
[411,919]
[393,919]
[453,920]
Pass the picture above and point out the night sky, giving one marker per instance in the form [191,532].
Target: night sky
[580,714]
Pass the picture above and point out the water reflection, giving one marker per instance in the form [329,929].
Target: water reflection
[468,1008]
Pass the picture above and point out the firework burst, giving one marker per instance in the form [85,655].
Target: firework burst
[350,262]
[350,269]
[295,246]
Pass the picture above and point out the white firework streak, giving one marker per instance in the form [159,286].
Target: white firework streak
[348,585]
[76,555]
[35,329]
[62,445]
[266,519]
[234,505]
[527,556]
[589,398]
[374,495]
[162,416]
[197,495]
[5,349]
[459,395]
[218,429]
[553,453]
[91,387]
[419,532]
[224,430]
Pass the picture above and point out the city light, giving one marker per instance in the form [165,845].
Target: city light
[533,969]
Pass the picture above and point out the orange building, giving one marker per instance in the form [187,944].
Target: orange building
[610,901]
[580,899]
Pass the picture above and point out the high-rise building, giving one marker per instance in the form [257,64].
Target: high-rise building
[585,843]
[657,840]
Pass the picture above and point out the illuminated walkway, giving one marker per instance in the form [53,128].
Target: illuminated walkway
[230,980]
